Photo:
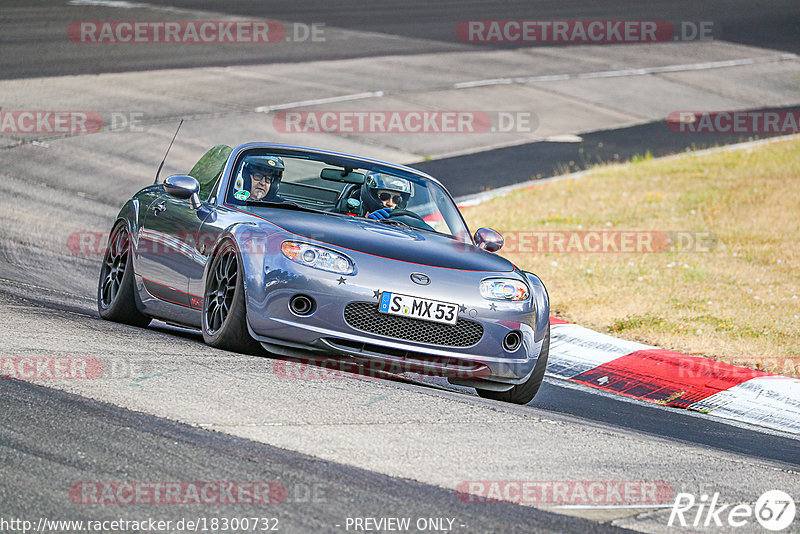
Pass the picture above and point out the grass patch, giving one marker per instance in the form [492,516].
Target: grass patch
[638,158]
[632,322]
[726,287]
[671,398]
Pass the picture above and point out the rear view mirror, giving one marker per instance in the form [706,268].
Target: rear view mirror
[342,175]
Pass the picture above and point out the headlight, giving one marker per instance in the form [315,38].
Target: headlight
[504,289]
[317,257]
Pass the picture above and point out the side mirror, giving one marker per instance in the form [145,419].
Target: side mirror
[488,239]
[183,187]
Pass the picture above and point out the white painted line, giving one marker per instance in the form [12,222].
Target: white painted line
[630,72]
[564,138]
[122,4]
[550,77]
[316,102]
[480,83]
[108,3]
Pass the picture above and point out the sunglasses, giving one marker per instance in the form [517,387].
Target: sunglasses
[257,177]
[386,196]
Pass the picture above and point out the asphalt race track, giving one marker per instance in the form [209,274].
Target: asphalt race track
[319,495]
[33,50]
[168,408]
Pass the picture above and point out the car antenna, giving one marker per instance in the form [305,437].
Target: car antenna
[158,172]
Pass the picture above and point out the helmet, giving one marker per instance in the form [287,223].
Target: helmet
[271,166]
[375,182]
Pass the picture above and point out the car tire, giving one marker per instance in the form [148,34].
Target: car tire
[224,319]
[525,392]
[115,291]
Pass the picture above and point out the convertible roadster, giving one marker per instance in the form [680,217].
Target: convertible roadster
[305,252]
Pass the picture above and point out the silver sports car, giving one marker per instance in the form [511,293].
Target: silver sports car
[306,252]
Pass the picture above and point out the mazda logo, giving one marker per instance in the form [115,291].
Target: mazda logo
[421,279]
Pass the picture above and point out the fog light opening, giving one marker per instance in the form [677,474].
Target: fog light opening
[512,341]
[301,305]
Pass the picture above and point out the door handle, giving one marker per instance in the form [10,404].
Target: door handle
[158,209]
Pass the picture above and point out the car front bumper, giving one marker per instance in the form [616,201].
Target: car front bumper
[327,330]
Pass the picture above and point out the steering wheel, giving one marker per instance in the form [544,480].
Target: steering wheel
[400,213]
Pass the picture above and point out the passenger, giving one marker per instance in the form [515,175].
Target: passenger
[382,193]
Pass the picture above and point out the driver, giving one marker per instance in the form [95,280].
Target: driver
[381,193]
[261,177]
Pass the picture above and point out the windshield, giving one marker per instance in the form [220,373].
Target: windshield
[262,179]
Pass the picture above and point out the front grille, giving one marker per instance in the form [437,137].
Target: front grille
[365,316]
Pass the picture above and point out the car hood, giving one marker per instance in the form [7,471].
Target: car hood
[388,241]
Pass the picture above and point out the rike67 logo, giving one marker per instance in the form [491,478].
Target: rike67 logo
[774,511]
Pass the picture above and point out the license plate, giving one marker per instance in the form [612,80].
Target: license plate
[418,308]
